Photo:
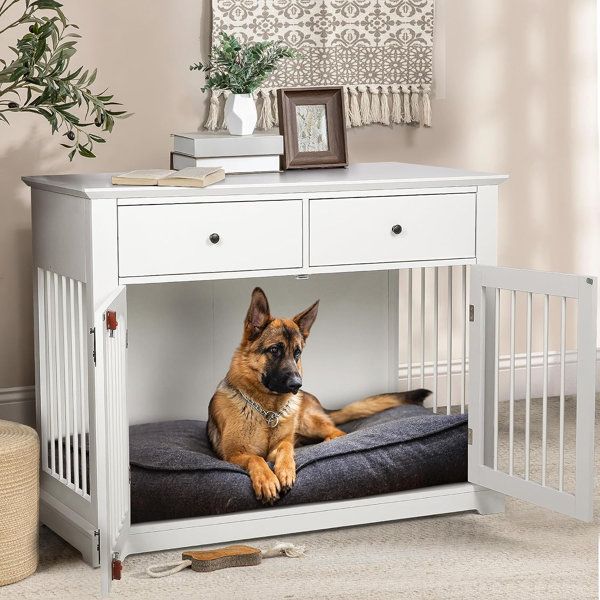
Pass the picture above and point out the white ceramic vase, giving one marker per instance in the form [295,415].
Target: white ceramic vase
[240,114]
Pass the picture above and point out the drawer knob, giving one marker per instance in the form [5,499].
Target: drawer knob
[214,238]
[397,229]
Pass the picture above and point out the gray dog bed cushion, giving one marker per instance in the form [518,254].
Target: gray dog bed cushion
[175,474]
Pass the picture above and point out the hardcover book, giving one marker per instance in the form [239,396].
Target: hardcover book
[190,177]
[206,144]
[230,164]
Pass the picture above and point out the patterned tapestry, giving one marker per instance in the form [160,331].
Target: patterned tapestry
[381,51]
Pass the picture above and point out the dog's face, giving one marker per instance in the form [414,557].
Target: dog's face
[272,347]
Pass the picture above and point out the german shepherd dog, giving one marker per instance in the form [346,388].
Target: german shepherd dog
[259,413]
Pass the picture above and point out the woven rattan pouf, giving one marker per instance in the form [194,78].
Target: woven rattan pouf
[19,500]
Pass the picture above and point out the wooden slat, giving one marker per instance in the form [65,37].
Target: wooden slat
[409,333]
[82,334]
[42,300]
[110,430]
[436,356]
[66,378]
[463,395]
[561,432]
[120,401]
[118,457]
[75,374]
[116,431]
[422,327]
[51,367]
[449,346]
[528,386]
[496,376]
[124,421]
[586,397]
[59,388]
[545,388]
[511,430]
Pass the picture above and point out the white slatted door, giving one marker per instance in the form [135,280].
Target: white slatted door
[62,384]
[112,422]
[536,449]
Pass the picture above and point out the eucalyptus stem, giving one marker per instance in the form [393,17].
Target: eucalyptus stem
[241,68]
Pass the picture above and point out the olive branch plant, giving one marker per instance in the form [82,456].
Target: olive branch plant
[39,78]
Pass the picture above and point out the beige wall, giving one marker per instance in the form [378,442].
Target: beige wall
[520,98]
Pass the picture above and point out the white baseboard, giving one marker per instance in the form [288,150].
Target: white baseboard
[537,376]
[18,404]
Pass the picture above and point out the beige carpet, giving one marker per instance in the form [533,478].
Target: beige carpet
[526,553]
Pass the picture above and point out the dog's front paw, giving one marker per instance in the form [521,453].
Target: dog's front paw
[286,473]
[266,486]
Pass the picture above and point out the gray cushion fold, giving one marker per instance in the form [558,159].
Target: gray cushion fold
[174,473]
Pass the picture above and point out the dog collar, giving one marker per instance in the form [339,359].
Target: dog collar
[272,417]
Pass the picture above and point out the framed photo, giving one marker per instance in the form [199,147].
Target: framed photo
[312,123]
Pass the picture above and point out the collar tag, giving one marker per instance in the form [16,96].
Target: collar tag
[272,419]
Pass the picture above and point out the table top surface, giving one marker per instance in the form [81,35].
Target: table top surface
[357,176]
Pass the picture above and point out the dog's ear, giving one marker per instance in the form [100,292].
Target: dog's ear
[258,315]
[306,318]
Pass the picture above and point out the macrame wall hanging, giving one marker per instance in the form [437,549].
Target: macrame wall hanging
[381,51]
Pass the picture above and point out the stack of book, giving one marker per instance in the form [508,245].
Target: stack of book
[256,153]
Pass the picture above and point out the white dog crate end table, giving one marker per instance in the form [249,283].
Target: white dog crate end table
[387,247]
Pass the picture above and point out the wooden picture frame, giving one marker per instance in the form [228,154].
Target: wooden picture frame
[313,126]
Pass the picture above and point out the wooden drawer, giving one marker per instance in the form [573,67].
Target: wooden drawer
[359,230]
[175,238]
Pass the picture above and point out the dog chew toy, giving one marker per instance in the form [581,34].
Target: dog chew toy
[204,561]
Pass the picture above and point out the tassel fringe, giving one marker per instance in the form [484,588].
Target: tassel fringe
[347,108]
[396,116]
[427,105]
[385,106]
[274,108]
[214,110]
[265,118]
[406,116]
[414,104]
[355,117]
[364,105]
[375,104]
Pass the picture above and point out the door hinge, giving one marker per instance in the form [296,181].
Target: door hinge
[470,436]
[471,312]
[117,567]
[127,338]
[93,332]
[97,536]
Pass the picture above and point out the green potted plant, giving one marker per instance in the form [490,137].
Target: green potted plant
[40,80]
[241,69]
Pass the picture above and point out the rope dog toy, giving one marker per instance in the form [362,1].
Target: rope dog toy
[204,561]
